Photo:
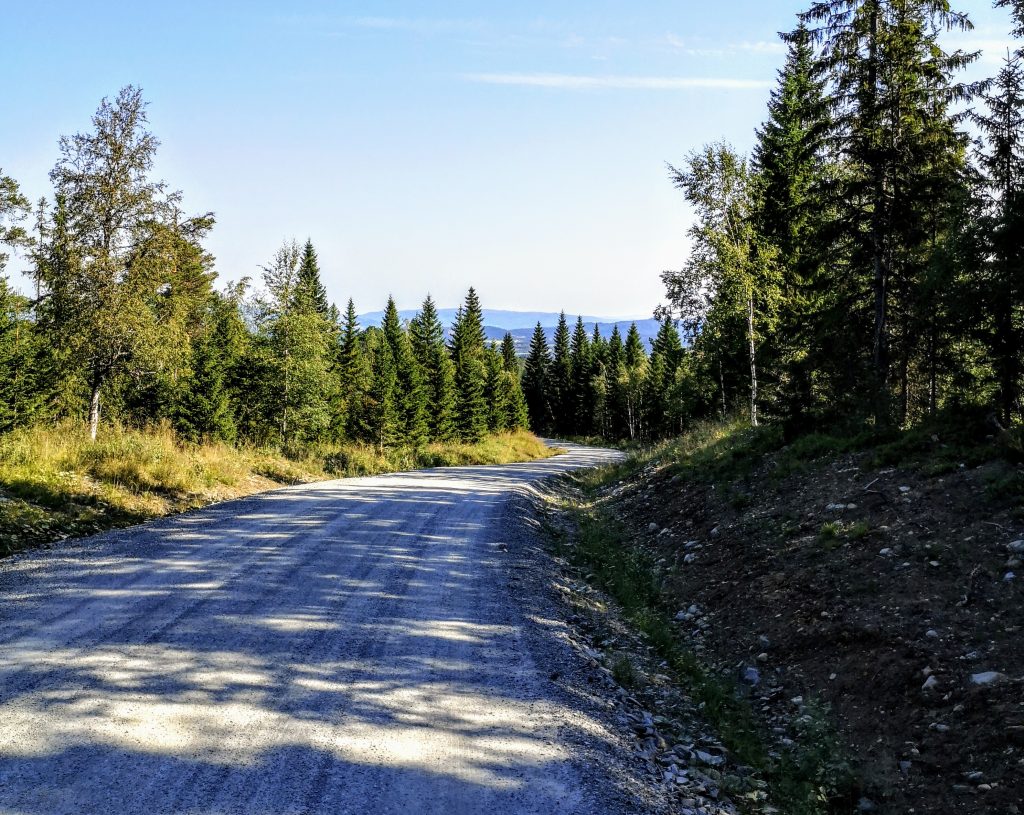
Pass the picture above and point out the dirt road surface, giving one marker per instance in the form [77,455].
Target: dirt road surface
[351,646]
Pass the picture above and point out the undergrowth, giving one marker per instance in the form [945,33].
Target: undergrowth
[56,483]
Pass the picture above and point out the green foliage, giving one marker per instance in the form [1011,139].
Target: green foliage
[410,392]
[537,385]
[468,357]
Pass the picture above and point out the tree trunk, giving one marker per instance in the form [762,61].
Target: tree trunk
[753,360]
[880,345]
[94,410]
[721,382]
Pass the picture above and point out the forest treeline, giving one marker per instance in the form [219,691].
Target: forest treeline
[863,266]
[125,322]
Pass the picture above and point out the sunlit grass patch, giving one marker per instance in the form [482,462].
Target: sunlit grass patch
[56,482]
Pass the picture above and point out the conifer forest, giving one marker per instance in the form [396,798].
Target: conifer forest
[862,266]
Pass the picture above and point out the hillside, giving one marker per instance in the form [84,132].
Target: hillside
[859,598]
[520,324]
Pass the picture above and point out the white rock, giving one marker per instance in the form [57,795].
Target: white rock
[1009,577]
[652,527]
[986,678]
[931,634]
[1016,547]
[904,490]
[931,683]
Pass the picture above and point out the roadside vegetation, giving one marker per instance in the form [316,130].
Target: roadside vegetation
[56,482]
[841,607]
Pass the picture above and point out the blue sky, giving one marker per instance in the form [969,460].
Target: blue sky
[423,146]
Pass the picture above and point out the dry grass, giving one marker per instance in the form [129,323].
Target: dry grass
[56,483]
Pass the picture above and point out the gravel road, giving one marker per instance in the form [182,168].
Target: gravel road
[349,646]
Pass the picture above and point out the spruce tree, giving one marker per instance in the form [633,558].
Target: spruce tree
[203,410]
[582,403]
[353,376]
[789,164]
[1001,226]
[467,352]
[633,384]
[562,405]
[891,92]
[537,383]
[300,342]
[516,415]
[509,359]
[310,294]
[427,337]
[383,415]
[411,394]
[614,372]
[496,392]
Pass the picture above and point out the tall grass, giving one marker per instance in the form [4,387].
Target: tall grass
[56,482]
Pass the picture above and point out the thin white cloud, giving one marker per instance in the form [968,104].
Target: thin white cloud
[696,49]
[575,82]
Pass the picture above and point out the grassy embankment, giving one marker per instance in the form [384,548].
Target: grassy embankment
[721,470]
[55,483]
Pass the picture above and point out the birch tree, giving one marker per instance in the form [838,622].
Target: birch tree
[729,270]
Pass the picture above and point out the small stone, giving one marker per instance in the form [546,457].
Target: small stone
[931,634]
[866,805]
[1009,577]
[715,532]
[708,758]
[690,558]
[1014,563]
[797,700]
[762,657]
[886,552]
[984,788]
[1016,547]
[904,489]
[764,641]
[752,676]
[930,684]
[652,527]
[986,678]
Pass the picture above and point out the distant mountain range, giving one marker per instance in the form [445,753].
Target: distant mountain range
[520,324]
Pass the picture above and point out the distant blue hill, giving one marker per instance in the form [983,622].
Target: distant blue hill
[520,324]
